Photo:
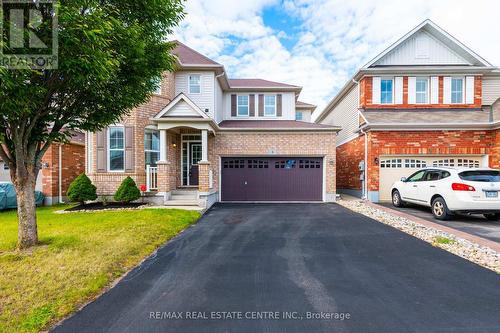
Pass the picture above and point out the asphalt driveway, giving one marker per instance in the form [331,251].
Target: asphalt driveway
[295,259]
[473,224]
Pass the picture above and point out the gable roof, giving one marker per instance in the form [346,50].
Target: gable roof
[304,105]
[190,109]
[189,57]
[443,37]
[258,83]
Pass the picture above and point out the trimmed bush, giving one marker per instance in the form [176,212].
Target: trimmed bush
[81,190]
[127,191]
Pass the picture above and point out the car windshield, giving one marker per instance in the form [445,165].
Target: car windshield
[488,176]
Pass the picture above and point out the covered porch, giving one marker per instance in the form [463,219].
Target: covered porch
[182,174]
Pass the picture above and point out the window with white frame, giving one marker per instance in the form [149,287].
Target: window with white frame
[422,90]
[386,90]
[270,105]
[242,106]
[194,84]
[457,90]
[299,115]
[151,147]
[116,148]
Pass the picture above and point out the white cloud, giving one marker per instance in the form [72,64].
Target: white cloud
[334,39]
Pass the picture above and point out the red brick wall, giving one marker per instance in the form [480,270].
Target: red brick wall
[73,164]
[495,151]
[428,143]
[366,86]
[348,157]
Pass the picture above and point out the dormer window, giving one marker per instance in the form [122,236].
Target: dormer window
[194,84]
[299,115]
[270,105]
[386,91]
[242,106]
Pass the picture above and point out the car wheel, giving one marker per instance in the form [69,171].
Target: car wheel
[440,209]
[492,217]
[396,199]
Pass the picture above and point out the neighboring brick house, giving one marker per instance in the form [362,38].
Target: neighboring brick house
[57,173]
[427,100]
[204,138]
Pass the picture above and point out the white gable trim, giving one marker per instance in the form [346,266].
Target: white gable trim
[175,101]
[446,35]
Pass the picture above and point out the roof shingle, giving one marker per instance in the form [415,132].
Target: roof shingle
[257,83]
[188,56]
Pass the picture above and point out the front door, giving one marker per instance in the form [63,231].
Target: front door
[194,158]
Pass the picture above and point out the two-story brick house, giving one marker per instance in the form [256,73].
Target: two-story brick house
[204,138]
[427,100]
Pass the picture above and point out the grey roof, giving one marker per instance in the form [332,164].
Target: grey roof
[455,116]
[304,105]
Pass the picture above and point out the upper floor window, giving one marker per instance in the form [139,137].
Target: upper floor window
[270,105]
[386,89]
[194,84]
[299,115]
[242,105]
[422,90]
[457,90]
[151,147]
[157,85]
[116,148]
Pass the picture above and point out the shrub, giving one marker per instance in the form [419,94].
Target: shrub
[81,190]
[127,191]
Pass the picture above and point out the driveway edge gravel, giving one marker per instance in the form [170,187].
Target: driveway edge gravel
[478,250]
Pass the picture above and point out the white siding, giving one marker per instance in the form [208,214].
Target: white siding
[4,174]
[204,100]
[182,109]
[422,49]
[491,90]
[345,114]
[306,115]
[219,102]
[288,106]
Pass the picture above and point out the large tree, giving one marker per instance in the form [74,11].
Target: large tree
[110,52]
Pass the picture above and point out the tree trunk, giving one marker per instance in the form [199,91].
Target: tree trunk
[26,210]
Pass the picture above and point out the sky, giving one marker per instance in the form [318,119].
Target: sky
[319,44]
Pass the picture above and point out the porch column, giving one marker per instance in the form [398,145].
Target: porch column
[204,146]
[204,165]
[163,174]
[163,145]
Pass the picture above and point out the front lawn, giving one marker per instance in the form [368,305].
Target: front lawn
[80,254]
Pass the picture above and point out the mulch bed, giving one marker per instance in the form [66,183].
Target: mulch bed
[109,205]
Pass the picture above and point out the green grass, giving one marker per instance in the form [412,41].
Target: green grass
[79,255]
[443,240]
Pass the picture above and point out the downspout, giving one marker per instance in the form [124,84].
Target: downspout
[365,171]
[60,174]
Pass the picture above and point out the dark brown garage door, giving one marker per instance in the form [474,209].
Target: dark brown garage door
[272,179]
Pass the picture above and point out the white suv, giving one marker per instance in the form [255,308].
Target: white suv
[451,190]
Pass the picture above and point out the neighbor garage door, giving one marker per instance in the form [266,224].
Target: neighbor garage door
[272,179]
[392,168]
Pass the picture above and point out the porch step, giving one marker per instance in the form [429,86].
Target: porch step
[192,192]
[181,203]
[183,196]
